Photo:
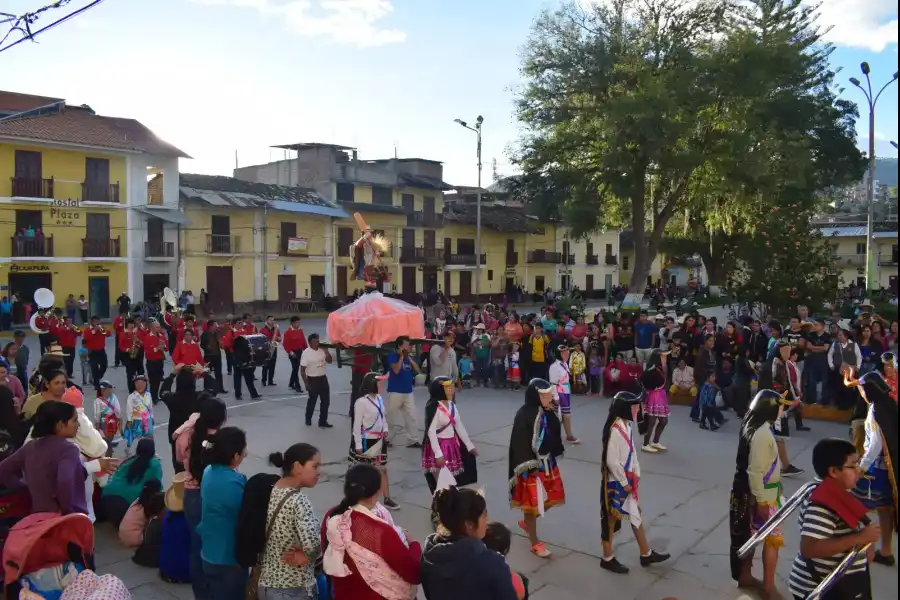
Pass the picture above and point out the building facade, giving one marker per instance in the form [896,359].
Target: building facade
[76,214]
[848,242]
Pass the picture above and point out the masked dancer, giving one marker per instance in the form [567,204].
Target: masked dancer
[656,407]
[877,488]
[535,446]
[756,489]
[368,437]
[621,480]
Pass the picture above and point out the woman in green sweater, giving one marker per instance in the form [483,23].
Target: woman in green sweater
[125,485]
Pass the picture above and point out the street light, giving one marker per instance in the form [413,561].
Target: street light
[894,144]
[870,185]
[477,129]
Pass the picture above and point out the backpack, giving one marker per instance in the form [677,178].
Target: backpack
[250,534]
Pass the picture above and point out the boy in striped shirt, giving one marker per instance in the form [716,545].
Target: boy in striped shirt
[833,523]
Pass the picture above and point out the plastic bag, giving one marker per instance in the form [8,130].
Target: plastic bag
[445,479]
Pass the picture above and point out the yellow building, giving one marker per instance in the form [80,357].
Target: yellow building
[74,214]
[590,262]
[849,249]
[247,243]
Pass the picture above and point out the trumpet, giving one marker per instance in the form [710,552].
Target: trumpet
[135,346]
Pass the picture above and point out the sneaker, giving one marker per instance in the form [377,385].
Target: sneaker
[654,557]
[703,426]
[791,470]
[390,504]
[649,448]
[882,559]
[325,425]
[659,446]
[613,566]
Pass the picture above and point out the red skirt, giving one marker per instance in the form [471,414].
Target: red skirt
[524,495]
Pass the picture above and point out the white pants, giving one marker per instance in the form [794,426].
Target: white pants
[405,405]
[643,355]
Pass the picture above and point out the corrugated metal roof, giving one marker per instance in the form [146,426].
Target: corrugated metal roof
[308,209]
[844,231]
[884,234]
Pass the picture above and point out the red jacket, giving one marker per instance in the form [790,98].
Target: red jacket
[187,354]
[180,335]
[294,340]
[153,342]
[42,322]
[126,339]
[405,562]
[67,336]
[95,339]
[244,329]
[119,324]
[228,338]
[273,335]
[169,321]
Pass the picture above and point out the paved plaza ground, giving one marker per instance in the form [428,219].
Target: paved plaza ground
[684,493]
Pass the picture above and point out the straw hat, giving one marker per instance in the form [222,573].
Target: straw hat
[175,493]
[55,350]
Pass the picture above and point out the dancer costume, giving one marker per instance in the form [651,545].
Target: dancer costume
[654,380]
[138,416]
[370,427]
[757,479]
[620,466]
[535,446]
[446,437]
[877,488]
[561,379]
[781,377]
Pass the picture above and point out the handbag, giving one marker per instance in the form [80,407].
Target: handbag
[252,591]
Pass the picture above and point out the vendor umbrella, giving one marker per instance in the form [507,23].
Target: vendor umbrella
[374,320]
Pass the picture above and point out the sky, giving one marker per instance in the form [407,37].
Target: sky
[226,79]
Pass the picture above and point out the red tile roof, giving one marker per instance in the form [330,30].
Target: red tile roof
[13,102]
[81,126]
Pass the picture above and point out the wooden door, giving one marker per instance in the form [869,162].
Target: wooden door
[430,239]
[287,288]
[28,164]
[97,226]
[428,206]
[220,225]
[317,287]
[220,286]
[408,247]
[447,283]
[409,203]
[409,283]
[96,171]
[345,240]
[565,253]
[589,283]
[288,231]
[343,275]
[29,218]
[465,285]
[155,232]
[448,247]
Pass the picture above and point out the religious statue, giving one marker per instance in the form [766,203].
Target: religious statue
[366,254]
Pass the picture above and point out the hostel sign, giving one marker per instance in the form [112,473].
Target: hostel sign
[65,212]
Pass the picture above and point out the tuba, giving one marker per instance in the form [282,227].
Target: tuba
[778,518]
[45,300]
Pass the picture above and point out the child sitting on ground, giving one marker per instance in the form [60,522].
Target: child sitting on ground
[498,538]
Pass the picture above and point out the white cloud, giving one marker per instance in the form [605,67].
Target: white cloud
[867,24]
[354,22]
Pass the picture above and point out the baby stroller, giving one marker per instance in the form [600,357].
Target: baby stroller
[44,540]
[15,505]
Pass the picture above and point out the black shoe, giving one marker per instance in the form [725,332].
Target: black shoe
[881,559]
[715,428]
[703,426]
[695,420]
[791,470]
[255,396]
[614,566]
[390,504]
[655,557]
[803,428]
[325,425]
[237,396]
[264,384]
[271,384]
[309,422]
[414,445]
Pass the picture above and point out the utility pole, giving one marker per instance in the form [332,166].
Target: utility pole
[477,129]
[265,254]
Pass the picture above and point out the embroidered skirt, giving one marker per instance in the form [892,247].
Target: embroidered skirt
[657,404]
[524,494]
[874,489]
[452,457]
[758,520]
[565,404]
[374,453]
[514,375]
[136,430]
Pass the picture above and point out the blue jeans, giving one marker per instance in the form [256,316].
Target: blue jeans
[483,370]
[285,594]
[192,512]
[226,582]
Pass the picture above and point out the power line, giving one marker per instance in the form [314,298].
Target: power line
[22,24]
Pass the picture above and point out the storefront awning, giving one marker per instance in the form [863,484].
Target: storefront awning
[169,215]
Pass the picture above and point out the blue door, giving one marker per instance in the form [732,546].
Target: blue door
[98,288]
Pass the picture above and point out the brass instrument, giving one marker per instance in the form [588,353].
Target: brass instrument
[135,345]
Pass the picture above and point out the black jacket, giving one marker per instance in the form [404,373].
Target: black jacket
[464,569]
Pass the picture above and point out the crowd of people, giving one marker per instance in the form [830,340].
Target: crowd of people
[213,527]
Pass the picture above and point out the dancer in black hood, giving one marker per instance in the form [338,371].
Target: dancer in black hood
[621,478]
[877,488]
[535,445]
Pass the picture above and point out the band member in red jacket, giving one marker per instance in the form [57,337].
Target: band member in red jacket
[130,347]
[294,344]
[94,339]
[227,335]
[188,323]
[67,335]
[119,329]
[187,351]
[245,326]
[156,344]
[273,334]
[42,322]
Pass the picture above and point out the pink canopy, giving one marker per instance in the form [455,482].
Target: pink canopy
[373,320]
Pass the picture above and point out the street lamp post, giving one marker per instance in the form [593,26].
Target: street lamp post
[477,129]
[872,99]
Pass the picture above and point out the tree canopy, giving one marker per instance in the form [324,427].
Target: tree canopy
[681,121]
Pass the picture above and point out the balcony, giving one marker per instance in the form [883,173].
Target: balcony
[159,249]
[423,219]
[888,260]
[466,260]
[222,244]
[544,257]
[852,260]
[100,192]
[36,247]
[591,259]
[29,187]
[570,259]
[512,259]
[414,255]
[611,259]
[101,248]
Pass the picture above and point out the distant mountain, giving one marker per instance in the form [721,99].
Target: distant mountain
[885,171]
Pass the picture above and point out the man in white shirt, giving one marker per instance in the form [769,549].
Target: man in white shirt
[313,362]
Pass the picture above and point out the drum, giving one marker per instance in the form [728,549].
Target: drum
[251,351]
